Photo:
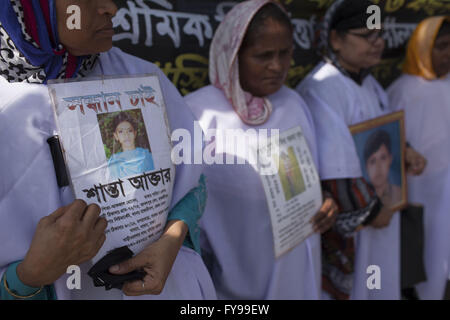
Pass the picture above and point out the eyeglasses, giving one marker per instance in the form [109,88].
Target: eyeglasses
[370,37]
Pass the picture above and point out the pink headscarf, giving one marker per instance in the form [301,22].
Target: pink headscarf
[224,67]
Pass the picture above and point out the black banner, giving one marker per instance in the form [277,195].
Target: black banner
[176,34]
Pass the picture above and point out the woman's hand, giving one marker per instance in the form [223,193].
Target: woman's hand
[326,216]
[69,236]
[156,260]
[415,162]
[383,219]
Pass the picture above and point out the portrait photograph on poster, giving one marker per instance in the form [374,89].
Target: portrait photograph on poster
[290,174]
[380,144]
[126,143]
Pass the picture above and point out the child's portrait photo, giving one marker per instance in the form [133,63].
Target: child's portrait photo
[126,143]
[380,144]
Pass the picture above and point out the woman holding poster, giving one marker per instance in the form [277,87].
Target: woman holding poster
[423,93]
[38,46]
[340,92]
[249,60]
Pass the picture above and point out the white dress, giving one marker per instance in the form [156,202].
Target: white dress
[28,188]
[337,102]
[427,117]
[237,238]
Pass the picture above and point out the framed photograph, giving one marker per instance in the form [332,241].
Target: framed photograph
[380,144]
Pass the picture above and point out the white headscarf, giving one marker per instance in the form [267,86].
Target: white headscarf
[224,66]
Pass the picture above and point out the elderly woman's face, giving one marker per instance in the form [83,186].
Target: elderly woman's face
[265,62]
[96,32]
[440,55]
[358,48]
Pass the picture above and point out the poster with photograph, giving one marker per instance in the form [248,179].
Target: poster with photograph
[293,192]
[380,144]
[116,144]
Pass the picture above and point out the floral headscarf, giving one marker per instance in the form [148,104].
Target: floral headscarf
[29,46]
[224,66]
[418,57]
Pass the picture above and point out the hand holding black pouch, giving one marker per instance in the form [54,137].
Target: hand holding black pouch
[102,277]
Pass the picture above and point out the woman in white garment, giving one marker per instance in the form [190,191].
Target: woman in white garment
[249,60]
[38,46]
[341,92]
[423,92]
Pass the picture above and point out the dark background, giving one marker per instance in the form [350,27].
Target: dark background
[176,34]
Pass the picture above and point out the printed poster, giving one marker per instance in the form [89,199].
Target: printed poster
[116,144]
[293,193]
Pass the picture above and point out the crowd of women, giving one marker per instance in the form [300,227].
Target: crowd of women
[218,239]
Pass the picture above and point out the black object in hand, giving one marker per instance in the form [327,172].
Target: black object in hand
[102,277]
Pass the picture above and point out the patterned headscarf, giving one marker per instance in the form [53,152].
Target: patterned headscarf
[341,15]
[29,46]
[323,35]
[224,65]
[418,57]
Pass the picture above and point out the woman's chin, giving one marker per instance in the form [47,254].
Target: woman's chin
[268,90]
[104,47]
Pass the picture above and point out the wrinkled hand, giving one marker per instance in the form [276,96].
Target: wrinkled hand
[326,217]
[69,236]
[415,162]
[156,260]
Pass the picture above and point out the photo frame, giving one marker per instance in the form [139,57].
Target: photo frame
[380,144]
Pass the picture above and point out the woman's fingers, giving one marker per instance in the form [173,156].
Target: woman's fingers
[90,216]
[55,215]
[419,165]
[75,210]
[326,216]
[137,262]
[100,225]
[325,224]
[415,162]
[151,284]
